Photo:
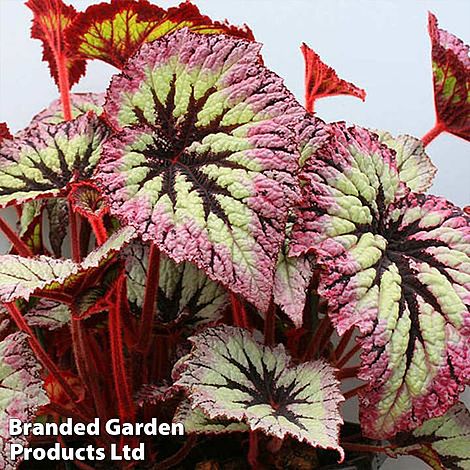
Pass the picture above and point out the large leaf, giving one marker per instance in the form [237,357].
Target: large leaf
[443,443]
[415,168]
[80,104]
[321,80]
[230,374]
[397,266]
[114,31]
[183,288]
[21,391]
[21,277]
[451,78]
[204,166]
[50,22]
[45,159]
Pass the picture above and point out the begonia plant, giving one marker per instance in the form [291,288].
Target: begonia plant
[195,245]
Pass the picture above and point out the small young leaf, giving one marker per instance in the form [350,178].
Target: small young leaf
[443,443]
[81,103]
[45,159]
[321,80]
[415,168]
[114,31]
[230,374]
[87,200]
[58,218]
[21,391]
[451,78]
[204,166]
[395,264]
[4,132]
[51,19]
[183,288]
[196,422]
[21,277]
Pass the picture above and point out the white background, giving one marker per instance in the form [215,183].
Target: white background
[381,46]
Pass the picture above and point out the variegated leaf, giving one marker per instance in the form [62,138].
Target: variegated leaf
[21,277]
[451,78]
[48,314]
[443,443]
[81,103]
[395,264]
[204,165]
[415,168]
[183,288]
[21,391]
[230,374]
[114,32]
[196,422]
[45,159]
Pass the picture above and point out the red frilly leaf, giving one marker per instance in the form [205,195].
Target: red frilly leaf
[451,78]
[114,31]
[4,132]
[321,80]
[51,19]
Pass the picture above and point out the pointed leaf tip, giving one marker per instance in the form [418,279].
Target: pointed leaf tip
[321,80]
[205,163]
[229,374]
[451,79]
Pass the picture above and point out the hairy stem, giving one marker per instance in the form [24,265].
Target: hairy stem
[41,354]
[101,234]
[64,84]
[343,343]
[239,315]
[433,133]
[121,383]
[149,306]
[20,246]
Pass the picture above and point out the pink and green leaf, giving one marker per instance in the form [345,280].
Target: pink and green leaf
[45,159]
[114,32]
[184,290]
[321,80]
[395,264]
[21,390]
[22,277]
[443,443]
[205,163]
[80,103]
[415,168]
[451,78]
[230,374]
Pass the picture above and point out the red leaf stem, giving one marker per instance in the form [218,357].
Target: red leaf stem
[354,391]
[101,234]
[318,338]
[20,246]
[253,450]
[343,343]
[433,133]
[348,373]
[348,356]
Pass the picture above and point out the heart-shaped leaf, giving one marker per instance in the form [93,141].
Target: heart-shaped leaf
[45,159]
[50,22]
[415,168]
[183,288]
[21,391]
[395,264]
[204,166]
[21,277]
[230,374]
[114,31]
[451,78]
[321,80]
[443,443]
